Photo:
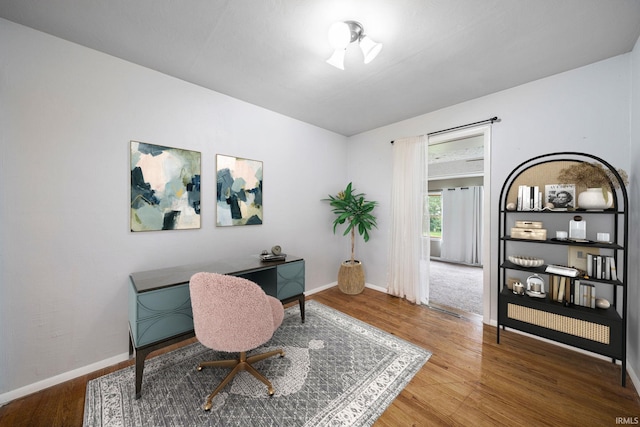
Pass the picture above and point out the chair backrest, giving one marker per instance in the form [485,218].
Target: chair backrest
[230,313]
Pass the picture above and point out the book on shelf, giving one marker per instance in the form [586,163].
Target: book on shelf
[584,292]
[614,271]
[519,202]
[553,291]
[586,295]
[561,290]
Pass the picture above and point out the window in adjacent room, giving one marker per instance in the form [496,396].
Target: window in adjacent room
[435,214]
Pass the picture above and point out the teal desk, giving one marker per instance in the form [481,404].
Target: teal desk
[160,305]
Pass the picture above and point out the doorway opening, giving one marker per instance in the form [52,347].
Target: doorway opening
[458,165]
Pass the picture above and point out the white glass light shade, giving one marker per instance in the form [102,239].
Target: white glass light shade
[370,49]
[337,59]
[339,35]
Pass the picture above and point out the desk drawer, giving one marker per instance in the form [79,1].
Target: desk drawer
[160,327]
[159,314]
[290,279]
[162,301]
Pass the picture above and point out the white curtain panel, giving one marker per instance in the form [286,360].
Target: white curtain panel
[462,224]
[409,250]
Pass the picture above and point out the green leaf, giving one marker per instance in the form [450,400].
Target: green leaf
[352,208]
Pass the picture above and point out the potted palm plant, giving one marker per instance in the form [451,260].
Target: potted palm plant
[355,211]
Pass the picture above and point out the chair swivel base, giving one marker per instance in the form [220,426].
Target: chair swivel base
[243,363]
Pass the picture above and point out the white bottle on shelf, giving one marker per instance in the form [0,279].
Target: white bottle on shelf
[577,228]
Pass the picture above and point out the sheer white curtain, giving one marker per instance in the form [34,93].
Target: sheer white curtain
[409,250]
[462,224]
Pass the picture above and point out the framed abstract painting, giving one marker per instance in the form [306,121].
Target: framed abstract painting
[239,191]
[165,188]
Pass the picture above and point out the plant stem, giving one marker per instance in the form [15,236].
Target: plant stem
[353,245]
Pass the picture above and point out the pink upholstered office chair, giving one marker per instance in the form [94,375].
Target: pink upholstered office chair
[233,314]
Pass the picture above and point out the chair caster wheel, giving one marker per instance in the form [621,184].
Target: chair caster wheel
[208,406]
[199,368]
[271,392]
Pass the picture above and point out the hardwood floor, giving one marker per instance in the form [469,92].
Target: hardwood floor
[468,381]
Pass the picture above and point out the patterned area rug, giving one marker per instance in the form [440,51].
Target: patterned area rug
[337,371]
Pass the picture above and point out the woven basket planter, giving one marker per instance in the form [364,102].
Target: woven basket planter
[351,278]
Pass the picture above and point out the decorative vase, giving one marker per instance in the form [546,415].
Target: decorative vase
[351,277]
[593,199]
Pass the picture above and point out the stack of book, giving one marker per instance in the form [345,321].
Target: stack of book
[584,294]
[572,291]
[560,289]
[529,198]
[601,267]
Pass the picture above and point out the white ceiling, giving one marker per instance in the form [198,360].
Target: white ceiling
[272,53]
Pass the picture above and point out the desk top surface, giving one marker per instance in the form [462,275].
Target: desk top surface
[144,281]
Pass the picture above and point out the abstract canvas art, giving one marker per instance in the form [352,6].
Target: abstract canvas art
[239,191]
[165,188]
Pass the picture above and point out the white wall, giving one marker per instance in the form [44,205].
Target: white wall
[586,109]
[66,118]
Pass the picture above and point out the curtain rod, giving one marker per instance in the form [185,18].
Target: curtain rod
[491,120]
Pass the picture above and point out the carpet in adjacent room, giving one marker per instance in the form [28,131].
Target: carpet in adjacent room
[456,285]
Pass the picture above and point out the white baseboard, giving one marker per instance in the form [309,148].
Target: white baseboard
[331,285]
[66,376]
[634,377]
[320,289]
[376,288]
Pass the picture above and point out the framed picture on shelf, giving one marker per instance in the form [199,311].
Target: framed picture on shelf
[562,196]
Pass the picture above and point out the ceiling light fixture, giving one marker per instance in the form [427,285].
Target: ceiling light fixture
[342,34]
